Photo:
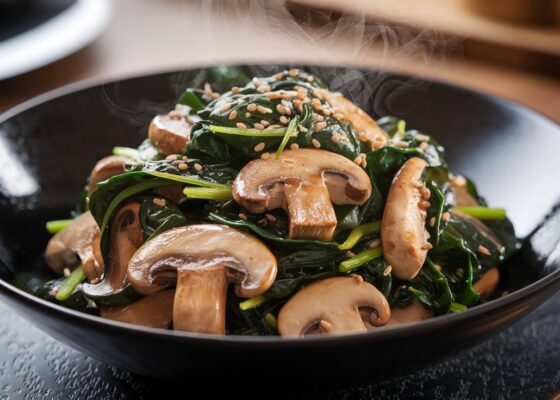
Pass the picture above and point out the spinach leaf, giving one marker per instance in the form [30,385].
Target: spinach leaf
[156,219]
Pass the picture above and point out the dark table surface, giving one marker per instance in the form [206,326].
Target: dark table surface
[522,362]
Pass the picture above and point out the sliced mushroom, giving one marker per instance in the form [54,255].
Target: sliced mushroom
[462,195]
[488,283]
[154,311]
[104,169]
[334,305]
[170,133]
[76,244]
[305,183]
[201,260]
[404,237]
[368,131]
[414,312]
[126,237]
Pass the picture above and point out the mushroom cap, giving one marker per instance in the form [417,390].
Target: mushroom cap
[251,265]
[347,183]
[104,169]
[78,243]
[403,231]
[414,312]
[333,305]
[169,133]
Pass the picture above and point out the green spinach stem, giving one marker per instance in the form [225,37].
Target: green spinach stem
[359,232]
[69,284]
[360,259]
[57,225]
[484,212]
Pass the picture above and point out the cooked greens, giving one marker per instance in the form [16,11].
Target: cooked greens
[234,122]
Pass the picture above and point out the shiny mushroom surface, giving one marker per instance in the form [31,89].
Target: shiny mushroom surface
[170,133]
[305,183]
[404,237]
[334,305]
[488,283]
[78,243]
[201,261]
[414,312]
[125,238]
[154,311]
[104,169]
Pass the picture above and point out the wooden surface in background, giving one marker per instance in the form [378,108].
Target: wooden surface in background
[148,36]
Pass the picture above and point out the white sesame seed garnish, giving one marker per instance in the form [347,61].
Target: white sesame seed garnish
[284,120]
[258,126]
[66,272]
[294,146]
[445,216]
[265,156]
[279,76]
[270,217]
[387,270]
[252,107]
[319,126]
[316,143]
[374,243]
[423,146]
[259,147]
[401,144]
[422,138]
[433,221]
[310,78]
[265,123]
[247,115]
[232,115]
[302,128]
[225,107]
[264,110]
[293,72]
[263,222]
[235,90]
[159,201]
[285,103]
[171,157]
[336,138]
[460,181]
[349,254]
[241,125]
[243,216]
[484,250]
[183,167]
[198,167]
[298,104]
[460,272]
[264,89]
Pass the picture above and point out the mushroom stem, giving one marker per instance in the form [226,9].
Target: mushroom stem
[208,305]
[310,209]
[155,311]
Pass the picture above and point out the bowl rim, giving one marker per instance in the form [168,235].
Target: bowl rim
[394,332]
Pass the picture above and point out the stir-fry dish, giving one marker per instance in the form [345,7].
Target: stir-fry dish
[274,206]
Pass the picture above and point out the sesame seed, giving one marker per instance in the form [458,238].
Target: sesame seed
[427,246]
[66,272]
[270,217]
[316,102]
[433,221]
[285,103]
[302,128]
[265,123]
[293,72]
[198,167]
[310,78]
[350,254]
[232,115]
[247,115]
[423,146]
[263,110]
[275,126]
[336,138]
[298,104]
[235,89]
[243,216]
[460,272]
[265,156]
[263,89]
[484,250]
[401,144]
[320,126]
[326,111]
[171,157]
[445,216]
[176,163]
[259,147]
[422,138]
[284,120]
[460,181]
[241,125]
[183,167]
[316,143]
[258,126]
[263,222]
[159,201]
[387,270]
[317,117]
[225,107]
[279,76]
[374,243]
[252,107]
[294,146]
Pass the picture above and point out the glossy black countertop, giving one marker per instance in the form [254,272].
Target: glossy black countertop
[522,362]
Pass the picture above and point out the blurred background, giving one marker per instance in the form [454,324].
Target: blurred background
[506,47]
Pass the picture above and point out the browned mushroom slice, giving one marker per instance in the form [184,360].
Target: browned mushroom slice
[125,238]
[414,312]
[77,244]
[201,260]
[404,237]
[334,305]
[154,311]
[305,183]
[104,169]
[488,283]
[462,195]
[169,133]
[368,131]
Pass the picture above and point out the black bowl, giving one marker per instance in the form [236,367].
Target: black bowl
[48,145]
